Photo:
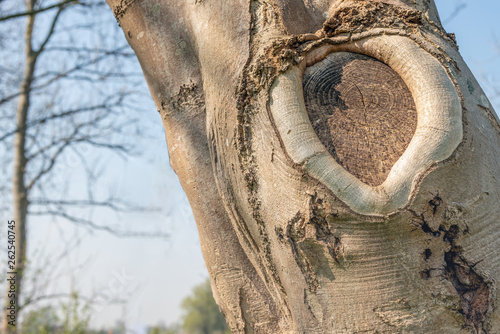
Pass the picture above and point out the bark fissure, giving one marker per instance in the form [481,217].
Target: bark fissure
[473,289]
[245,98]
[320,218]
[295,234]
[189,101]
[311,239]
[121,9]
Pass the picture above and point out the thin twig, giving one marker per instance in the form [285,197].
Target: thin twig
[37,11]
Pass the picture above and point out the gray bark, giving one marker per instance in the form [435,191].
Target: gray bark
[293,241]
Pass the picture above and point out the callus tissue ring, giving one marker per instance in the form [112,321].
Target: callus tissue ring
[438,132]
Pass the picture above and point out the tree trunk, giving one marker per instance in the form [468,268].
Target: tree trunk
[340,158]
[20,194]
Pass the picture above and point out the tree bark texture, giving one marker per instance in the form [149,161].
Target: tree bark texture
[341,161]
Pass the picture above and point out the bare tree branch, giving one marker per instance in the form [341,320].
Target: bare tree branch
[51,30]
[92,225]
[64,74]
[57,121]
[37,11]
[63,114]
[458,8]
[52,160]
[33,300]
[114,52]
[111,203]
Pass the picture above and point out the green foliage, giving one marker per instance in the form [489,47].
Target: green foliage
[41,321]
[202,315]
[71,318]
[162,330]
[76,316]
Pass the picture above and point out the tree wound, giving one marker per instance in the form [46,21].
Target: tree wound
[362,112]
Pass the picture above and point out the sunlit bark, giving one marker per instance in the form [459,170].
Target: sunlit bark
[296,240]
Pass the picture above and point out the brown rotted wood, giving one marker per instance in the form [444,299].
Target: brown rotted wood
[362,112]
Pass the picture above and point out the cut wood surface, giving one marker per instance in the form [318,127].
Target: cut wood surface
[362,112]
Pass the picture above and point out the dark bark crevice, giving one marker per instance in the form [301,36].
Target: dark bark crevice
[473,289]
[313,244]
[122,8]
[320,218]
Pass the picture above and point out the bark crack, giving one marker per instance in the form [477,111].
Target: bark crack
[473,289]
[313,244]
[120,9]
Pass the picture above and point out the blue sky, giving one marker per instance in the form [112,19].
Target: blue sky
[155,275]
[478,36]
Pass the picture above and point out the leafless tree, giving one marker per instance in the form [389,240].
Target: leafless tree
[63,99]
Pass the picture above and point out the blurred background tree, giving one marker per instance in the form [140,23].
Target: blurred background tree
[47,320]
[202,315]
[162,329]
[68,97]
